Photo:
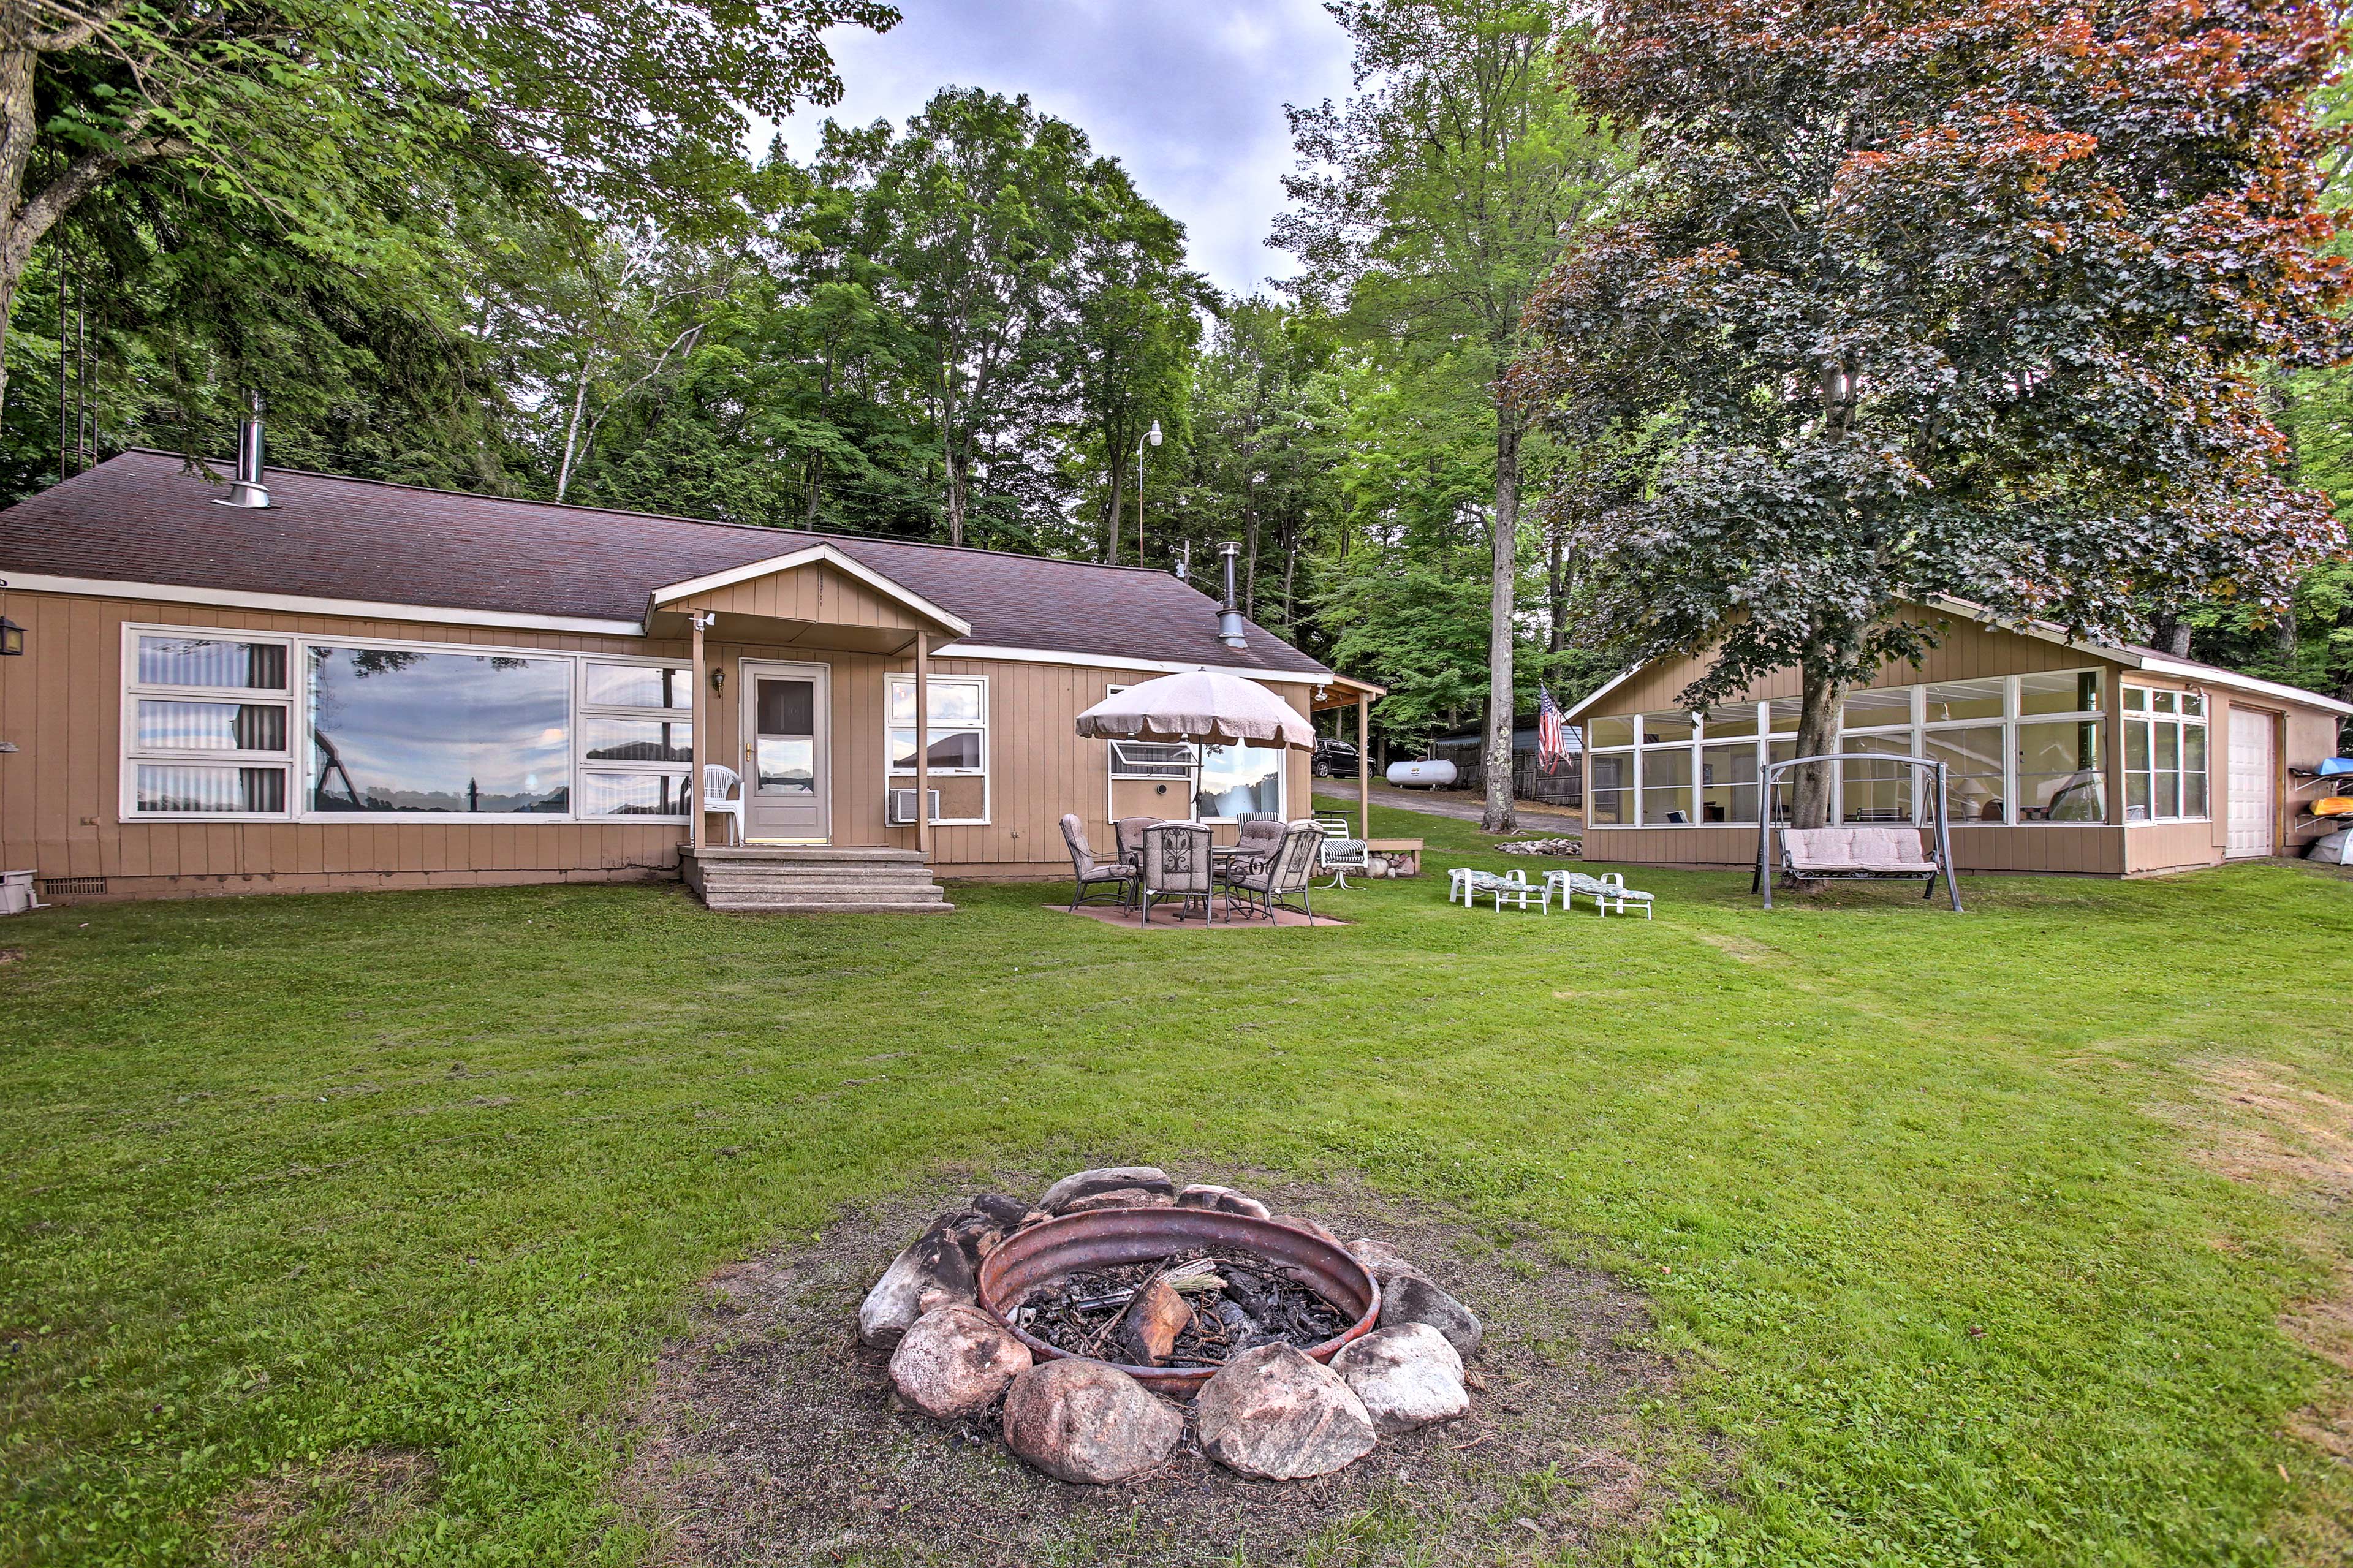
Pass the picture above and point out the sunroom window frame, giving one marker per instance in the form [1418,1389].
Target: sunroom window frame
[2203,720]
[1915,732]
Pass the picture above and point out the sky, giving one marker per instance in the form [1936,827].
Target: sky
[1188,94]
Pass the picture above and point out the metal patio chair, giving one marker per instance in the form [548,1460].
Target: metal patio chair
[1088,873]
[1177,865]
[1273,882]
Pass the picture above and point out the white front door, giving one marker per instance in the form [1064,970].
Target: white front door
[2254,785]
[787,746]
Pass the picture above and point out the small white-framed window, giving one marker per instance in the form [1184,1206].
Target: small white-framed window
[2165,755]
[957,734]
[1151,760]
[636,738]
[955,740]
[208,725]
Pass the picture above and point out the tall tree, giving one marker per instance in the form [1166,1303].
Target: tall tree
[978,212]
[1957,299]
[1432,205]
[320,113]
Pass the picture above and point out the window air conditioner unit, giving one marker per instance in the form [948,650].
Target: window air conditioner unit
[899,811]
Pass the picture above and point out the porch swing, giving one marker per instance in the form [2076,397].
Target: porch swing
[1811,854]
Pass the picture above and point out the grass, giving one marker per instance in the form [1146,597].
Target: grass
[288,1185]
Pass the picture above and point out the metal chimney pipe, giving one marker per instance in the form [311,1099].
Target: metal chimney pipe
[246,490]
[1229,615]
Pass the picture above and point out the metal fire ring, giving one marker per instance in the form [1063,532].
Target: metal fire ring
[1106,1238]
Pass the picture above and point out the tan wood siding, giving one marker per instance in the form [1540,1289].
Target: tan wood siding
[816,593]
[60,792]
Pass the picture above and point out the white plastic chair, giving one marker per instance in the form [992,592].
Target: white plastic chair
[717,783]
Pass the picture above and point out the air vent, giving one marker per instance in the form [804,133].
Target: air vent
[71,887]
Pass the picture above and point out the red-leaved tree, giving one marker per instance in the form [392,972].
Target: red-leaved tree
[1939,298]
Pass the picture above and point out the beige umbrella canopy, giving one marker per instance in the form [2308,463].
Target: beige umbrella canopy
[1203,705]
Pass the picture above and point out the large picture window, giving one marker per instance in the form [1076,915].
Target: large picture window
[1230,781]
[243,725]
[207,724]
[402,730]
[2165,755]
[2017,749]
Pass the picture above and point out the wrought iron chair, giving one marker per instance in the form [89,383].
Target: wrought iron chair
[1177,865]
[1288,873]
[1256,842]
[1087,872]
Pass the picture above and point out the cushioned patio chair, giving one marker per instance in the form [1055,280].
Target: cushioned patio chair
[1177,865]
[1271,884]
[1087,872]
[1256,842]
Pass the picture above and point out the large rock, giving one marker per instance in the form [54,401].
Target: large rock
[955,1361]
[1412,1298]
[1313,1227]
[1083,1421]
[1381,1260]
[939,1269]
[1113,1187]
[1224,1200]
[1407,1376]
[1273,1415]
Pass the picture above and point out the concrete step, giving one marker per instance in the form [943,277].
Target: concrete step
[716,886]
[829,906]
[825,871]
[770,854]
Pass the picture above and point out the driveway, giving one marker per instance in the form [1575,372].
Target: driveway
[1459,804]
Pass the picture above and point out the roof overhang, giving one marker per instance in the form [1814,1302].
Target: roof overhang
[841,561]
[2142,659]
[1343,692]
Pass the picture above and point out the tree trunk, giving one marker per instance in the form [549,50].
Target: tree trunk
[1118,505]
[958,471]
[18,131]
[1556,588]
[1503,570]
[1817,717]
[572,428]
[2170,634]
[1249,554]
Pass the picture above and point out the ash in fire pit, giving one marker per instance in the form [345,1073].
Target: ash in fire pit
[1218,1304]
[1082,1314]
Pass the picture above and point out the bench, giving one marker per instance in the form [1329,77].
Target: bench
[1854,852]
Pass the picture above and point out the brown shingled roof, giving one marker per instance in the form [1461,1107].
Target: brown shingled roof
[143,518]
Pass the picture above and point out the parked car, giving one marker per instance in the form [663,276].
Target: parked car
[1334,758]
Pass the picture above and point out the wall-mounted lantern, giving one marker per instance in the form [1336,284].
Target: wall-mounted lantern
[12,638]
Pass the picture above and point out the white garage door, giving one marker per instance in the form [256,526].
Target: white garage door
[2254,785]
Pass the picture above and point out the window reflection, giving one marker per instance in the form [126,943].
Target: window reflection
[1238,779]
[398,730]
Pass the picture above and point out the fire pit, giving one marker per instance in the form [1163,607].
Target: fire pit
[1116,1317]
[1031,1261]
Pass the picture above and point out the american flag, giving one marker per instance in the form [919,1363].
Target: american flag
[1552,737]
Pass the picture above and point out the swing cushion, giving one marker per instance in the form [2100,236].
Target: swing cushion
[1856,851]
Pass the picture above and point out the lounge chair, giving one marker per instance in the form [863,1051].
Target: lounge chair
[1608,891]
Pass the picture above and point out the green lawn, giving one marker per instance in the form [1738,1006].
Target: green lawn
[1919,1198]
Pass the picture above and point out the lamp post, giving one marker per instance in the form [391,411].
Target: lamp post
[1153,435]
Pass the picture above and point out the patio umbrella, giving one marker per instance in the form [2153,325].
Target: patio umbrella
[1204,705]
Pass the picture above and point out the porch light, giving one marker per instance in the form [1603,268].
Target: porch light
[11,637]
[718,679]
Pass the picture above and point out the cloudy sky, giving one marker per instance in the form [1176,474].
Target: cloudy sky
[1188,94]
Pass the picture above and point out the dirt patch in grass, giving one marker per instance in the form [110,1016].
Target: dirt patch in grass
[769,1436]
[322,1512]
[2295,1142]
